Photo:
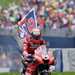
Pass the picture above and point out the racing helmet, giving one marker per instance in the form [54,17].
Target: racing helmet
[36,33]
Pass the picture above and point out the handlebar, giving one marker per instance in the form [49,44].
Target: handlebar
[29,59]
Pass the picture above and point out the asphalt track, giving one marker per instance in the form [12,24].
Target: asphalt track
[7,41]
[60,42]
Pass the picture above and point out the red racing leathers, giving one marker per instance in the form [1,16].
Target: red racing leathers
[29,46]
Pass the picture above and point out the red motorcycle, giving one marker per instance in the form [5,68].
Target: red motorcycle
[39,63]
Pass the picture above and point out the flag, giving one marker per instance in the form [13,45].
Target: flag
[29,20]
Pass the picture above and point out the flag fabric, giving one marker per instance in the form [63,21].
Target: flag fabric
[29,20]
[22,31]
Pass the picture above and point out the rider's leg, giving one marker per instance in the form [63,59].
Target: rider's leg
[31,69]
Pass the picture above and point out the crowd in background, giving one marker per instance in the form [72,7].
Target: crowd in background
[54,14]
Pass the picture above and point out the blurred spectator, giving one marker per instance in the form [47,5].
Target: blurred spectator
[41,21]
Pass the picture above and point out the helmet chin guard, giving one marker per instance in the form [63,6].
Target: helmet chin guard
[36,33]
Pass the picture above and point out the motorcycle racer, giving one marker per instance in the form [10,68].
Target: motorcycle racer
[30,43]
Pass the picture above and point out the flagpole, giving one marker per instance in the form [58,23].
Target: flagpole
[35,18]
[27,15]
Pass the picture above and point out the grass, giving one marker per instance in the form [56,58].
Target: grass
[5,3]
[12,73]
[63,73]
[54,73]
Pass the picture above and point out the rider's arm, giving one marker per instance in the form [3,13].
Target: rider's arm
[25,46]
[40,42]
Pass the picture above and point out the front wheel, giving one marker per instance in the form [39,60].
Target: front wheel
[45,73]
